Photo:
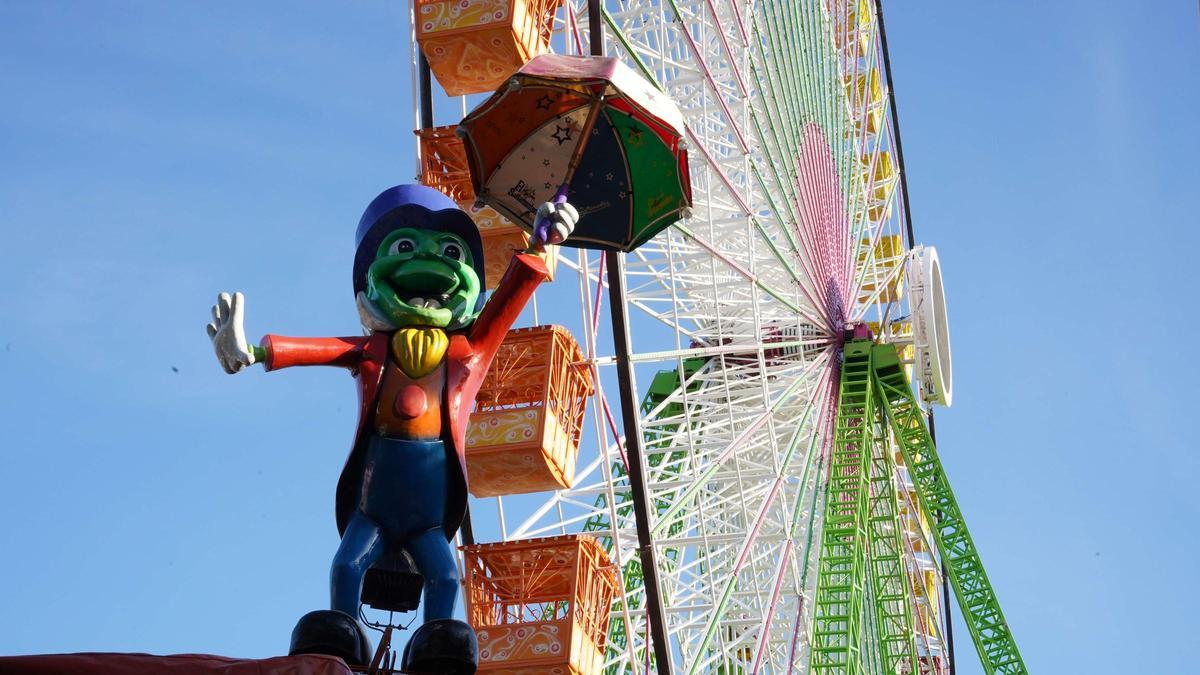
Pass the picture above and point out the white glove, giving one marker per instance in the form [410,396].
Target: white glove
[227,334]
[562,217]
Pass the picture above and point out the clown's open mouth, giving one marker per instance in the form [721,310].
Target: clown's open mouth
[427,303]
[426,285]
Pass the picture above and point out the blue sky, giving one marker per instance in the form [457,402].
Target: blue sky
[154,154]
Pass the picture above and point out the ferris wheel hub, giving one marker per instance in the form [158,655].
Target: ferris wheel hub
[856,330]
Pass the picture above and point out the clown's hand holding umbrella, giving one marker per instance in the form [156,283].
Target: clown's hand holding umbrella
[559,220]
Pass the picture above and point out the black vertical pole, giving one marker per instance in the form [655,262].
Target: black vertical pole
[633,453]
[614,268]
[595,28]
[425,86]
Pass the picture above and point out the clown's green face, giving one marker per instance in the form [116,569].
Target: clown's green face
[424,278]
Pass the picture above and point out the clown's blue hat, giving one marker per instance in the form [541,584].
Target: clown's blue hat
[419,207]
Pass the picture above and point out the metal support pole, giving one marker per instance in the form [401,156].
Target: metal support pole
[595,28]
[633,451]
[426,88]
[615,270]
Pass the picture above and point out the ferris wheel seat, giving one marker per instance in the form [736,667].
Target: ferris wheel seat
[519,451]
[524,434]
[866,93]
[855,34]
[472,47]
[540,605]
[444,163]
[888,255]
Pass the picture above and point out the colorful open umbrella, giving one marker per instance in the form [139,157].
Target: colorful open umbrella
[587,128]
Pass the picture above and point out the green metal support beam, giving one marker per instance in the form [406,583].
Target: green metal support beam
[891,591]
[837,634]
[976,600]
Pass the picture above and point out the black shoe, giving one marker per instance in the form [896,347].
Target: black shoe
[328,631]
[444,646]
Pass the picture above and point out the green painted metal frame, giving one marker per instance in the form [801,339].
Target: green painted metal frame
[862,554]
[891,591]
[976,599]
[837,632]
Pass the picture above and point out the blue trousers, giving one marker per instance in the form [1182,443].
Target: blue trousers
[403,503]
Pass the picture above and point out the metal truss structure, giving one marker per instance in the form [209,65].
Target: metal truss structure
[736,340]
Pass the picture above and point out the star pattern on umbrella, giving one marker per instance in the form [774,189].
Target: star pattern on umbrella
[610,176]
[561,134]
[635,137]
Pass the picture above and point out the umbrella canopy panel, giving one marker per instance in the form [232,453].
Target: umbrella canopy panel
[596,126]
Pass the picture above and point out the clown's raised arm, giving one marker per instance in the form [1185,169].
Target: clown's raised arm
[418,263]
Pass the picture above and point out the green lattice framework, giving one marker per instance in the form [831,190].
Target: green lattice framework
[862,554]
[862,548]
[976,600]
[837,637]
[890,584]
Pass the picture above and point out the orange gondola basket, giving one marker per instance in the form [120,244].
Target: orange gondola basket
[540,605]
[472,46]
[524,433]
[444,167]
[444,163]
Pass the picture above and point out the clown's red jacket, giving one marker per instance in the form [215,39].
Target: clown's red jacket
[468,357]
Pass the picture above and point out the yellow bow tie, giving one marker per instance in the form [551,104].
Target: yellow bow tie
[419,350]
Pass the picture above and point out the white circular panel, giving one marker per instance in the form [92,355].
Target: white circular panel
[931,328]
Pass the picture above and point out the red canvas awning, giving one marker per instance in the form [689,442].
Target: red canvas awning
[176,664]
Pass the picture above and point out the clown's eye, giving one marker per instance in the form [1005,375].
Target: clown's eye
[401,246]
[452,251]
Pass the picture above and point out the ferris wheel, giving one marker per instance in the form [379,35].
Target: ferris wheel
[717,405]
